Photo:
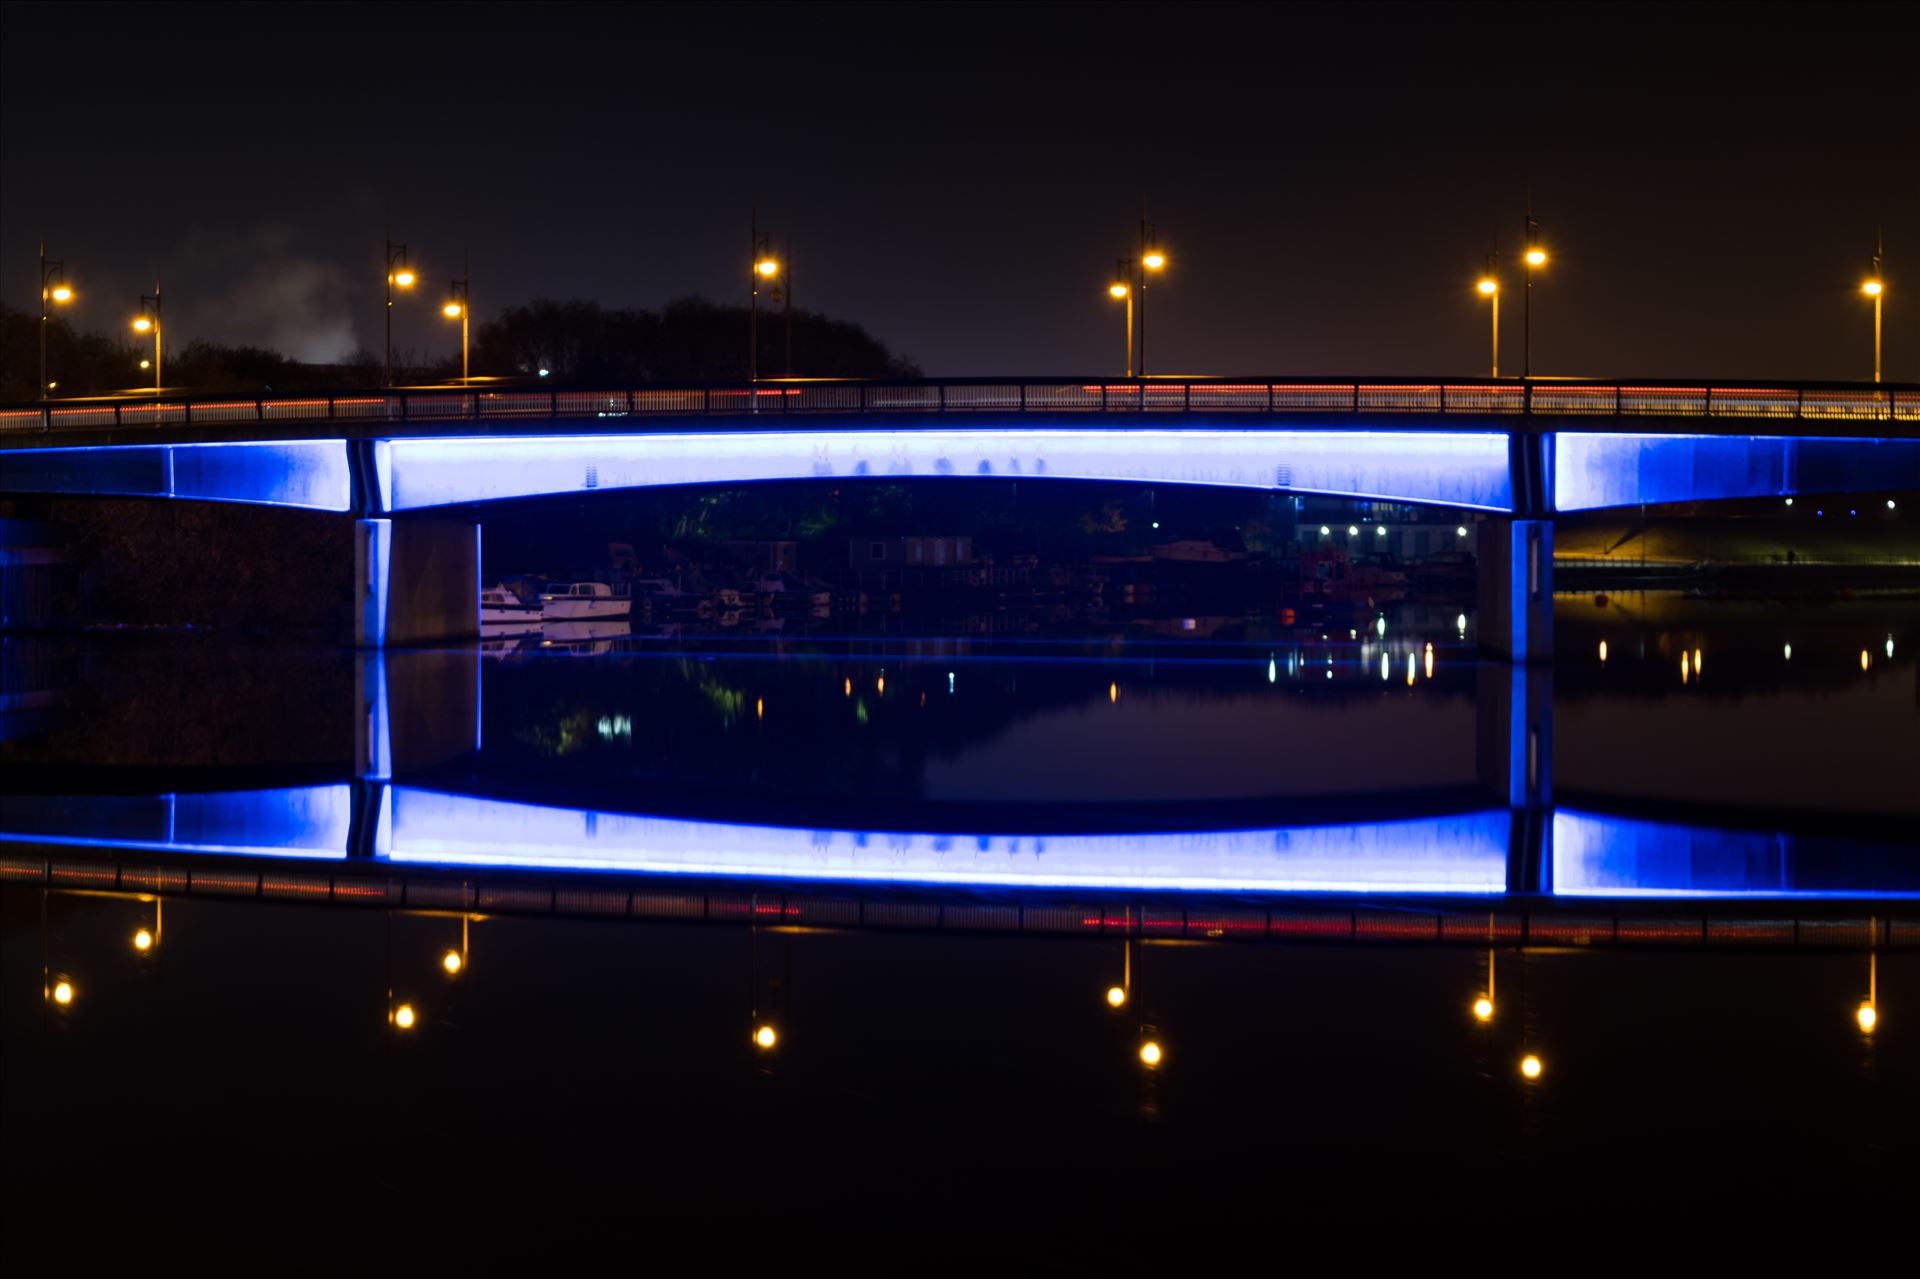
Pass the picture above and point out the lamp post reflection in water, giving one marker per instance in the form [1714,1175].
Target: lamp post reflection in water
[767,997]
[1868,1014]
[455,961]
[1483,1006]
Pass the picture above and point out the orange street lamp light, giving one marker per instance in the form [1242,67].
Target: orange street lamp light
[1150,259]
[459,303]
[1121,290]
[1875,288]
[53,288]
[148,321]
[1489,287]
[398,273]
[1536,257]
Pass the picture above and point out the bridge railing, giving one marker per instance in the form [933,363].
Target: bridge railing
[1825,403]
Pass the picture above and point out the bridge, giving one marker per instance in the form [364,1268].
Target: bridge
[1518,452]
[418,818]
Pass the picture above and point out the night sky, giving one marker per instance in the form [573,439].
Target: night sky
[959,179]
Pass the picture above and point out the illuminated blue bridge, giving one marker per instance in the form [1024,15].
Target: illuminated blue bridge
[1517,452]
[1503,860]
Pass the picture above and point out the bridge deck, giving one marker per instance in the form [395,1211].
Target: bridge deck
[1708,405]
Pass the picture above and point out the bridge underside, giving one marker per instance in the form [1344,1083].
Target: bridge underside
[1462,469]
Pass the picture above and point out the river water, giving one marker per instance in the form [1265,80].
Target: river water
[921,856]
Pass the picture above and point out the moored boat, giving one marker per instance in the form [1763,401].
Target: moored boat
[580,601]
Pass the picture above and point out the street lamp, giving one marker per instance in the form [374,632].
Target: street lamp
[398,273]
[1875,288]
[1151,259]
[1121,290]
[148,320]
[1489,287]
[765,267]
[53,288]
[1535,257]
[459,303]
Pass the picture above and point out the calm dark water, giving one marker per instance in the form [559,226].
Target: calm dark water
[1754,760]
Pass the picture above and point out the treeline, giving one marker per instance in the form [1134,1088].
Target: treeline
[576,342]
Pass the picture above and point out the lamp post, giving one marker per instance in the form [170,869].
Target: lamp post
[1489,287]
[1121,290]
[148,320]
[1535,257]
[1875,288]
[1151,259]
[398,273]
[53,288]
[764,267]
[459,303]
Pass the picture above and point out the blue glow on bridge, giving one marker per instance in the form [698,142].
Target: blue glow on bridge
[1455,854]
[1596,855]
[1601,469]
[1462,469]
[295,821]
[313,474]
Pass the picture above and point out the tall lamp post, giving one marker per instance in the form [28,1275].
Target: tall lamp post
[764,268]
[1150,259]
[1489,287]
[398,273]
[148,320]
[1535,257]
[1875,288]
[459,303]
[1121,290]
[53,288]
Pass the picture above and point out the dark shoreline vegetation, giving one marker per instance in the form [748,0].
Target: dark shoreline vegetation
[687,340]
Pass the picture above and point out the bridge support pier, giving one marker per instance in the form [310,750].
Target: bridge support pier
[1516,589]
[415,582]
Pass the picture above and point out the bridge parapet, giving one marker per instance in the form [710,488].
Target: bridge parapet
[1712,406]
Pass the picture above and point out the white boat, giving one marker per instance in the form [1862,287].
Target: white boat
[581,601]
[499,606]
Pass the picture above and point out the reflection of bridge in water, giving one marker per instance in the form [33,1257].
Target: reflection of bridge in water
[1518,453]
[1497,862]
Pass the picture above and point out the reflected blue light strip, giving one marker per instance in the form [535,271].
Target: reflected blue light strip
[1593,469]
[1462,469]
[305,473]
[298,821]
[1596,855]
[1457,854]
